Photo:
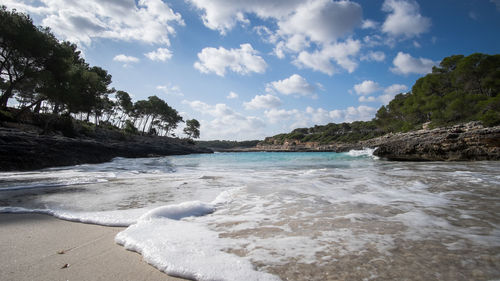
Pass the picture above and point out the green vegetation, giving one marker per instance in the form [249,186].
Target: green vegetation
[460,89]
[344,132]
[192,128]
[226,144]
[54,87]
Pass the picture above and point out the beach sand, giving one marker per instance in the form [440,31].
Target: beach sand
[41,247]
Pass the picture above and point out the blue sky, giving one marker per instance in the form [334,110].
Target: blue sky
[250,69]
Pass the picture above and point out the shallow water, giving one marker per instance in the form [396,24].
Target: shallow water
[288,216]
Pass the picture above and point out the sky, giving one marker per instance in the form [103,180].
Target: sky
[250,69]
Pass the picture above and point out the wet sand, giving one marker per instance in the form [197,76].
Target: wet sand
[40,247]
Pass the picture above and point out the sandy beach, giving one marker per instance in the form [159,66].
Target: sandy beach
[40,247]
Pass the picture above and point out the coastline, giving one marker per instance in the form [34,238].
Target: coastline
[24,150]
[30,244]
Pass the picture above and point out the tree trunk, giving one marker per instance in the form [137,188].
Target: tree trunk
[145,123]
[6,96]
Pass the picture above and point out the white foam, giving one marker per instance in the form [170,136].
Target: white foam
[187,249]
[364,152]
[179,211]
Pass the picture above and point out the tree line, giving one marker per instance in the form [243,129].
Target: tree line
[45,75]
[460,89]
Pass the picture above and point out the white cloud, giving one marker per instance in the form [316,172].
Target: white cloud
[232,95]
[148,21]
[227,123]
[222,15]
[279,115]
[318,20]
[170,90]
[321,21]
[369,24]
[125,59]
[374,56]
[367,99]
[263,101]
[299,24]
[315,116]
[321,60]
[366,87]
[160,54]
[243,60]
[293,85]
[404,18]
[360,113]
[388,95]
[395,89]
[406,64]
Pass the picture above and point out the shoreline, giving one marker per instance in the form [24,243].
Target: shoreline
[41,247]
[22,150]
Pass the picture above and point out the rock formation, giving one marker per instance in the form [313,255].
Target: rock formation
[25,150]
[465,142]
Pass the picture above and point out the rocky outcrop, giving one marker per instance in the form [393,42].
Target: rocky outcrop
[464,142]
[24,150]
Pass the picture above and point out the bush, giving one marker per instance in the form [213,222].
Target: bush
[129,128]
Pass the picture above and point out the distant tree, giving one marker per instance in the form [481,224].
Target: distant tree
[192,128]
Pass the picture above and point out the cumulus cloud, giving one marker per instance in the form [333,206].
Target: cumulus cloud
[369,24]
[243,60]
[388,95]
[232,95]
[148,21]
[395,89]
[299,24]
[170,90]
[374,56]
[263,101]
[366,87]
[227,123]
[367,99]
[321,60]
[160,54]
[318,20]
[314,116]
[404,18]
[293,85]
[360,113]
[321,21]
[125,59]
[406,64]
[279,115]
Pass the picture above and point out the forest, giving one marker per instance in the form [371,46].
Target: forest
[51,85]
[460,89]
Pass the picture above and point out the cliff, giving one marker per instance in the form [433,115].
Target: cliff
[465,142]
[28,150]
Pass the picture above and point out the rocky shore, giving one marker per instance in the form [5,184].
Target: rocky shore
[465,142]
[29,150]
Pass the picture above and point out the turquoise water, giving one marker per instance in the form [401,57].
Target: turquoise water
[288,216]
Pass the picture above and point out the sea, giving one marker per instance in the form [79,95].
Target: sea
[282,216]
